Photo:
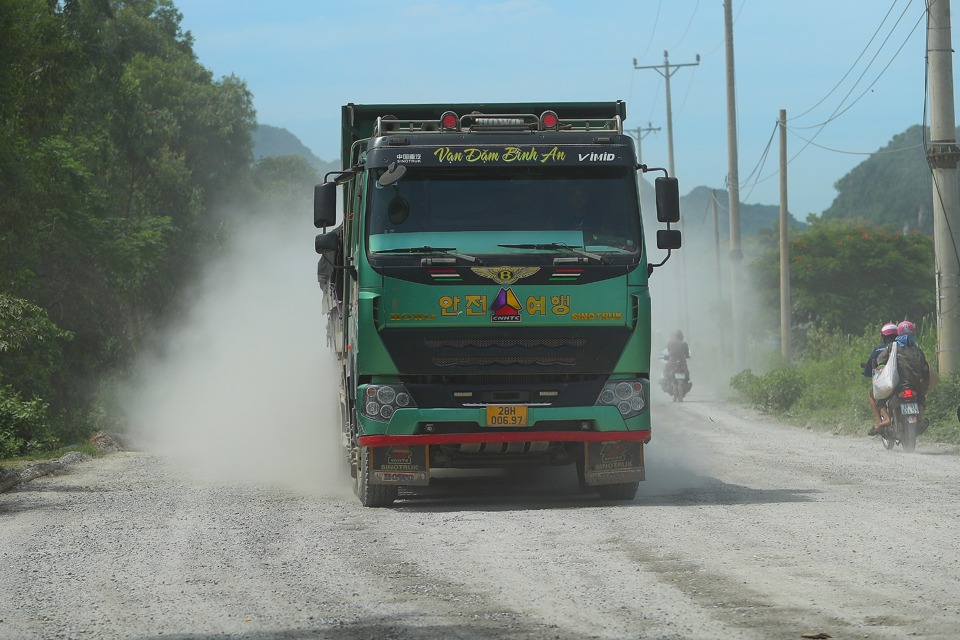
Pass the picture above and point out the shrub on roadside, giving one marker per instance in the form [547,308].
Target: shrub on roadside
[826,386]
[24,425]
[775,392]
[941,409]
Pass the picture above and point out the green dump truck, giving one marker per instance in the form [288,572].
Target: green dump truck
[485,286]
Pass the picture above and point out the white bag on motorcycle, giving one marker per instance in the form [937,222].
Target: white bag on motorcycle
[885,378]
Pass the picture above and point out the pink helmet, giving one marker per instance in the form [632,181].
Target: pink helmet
[905,328]
[889,329]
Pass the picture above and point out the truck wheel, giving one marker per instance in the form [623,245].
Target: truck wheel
[623,491]
[371,495]
[581,474]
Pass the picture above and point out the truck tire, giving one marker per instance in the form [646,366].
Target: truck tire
[371,495]
[623,491]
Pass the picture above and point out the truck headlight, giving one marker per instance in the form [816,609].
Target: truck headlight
[381,400]
[628,396]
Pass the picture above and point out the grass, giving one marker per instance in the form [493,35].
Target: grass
[22,462]
[825,389]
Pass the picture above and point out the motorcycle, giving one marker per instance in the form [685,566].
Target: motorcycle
[676,380]
[906,420]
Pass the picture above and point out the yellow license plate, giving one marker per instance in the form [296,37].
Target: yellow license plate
[506,415]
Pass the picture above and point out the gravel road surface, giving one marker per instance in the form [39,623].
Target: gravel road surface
[744,529]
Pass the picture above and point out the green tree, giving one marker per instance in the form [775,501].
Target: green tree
[115,144]
[847,276]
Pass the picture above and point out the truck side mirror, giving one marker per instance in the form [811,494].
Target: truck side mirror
[325,205]
[327,245]
[327,242]
[668,239]
[668,200]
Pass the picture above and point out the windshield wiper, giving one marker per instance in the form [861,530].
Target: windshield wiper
[452,251]
[555,246]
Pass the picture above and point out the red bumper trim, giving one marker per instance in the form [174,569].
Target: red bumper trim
[504,436]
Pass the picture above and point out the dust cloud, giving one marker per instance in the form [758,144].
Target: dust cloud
[691,292]
[243,388]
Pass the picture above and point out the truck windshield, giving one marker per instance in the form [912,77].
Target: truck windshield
[485,208]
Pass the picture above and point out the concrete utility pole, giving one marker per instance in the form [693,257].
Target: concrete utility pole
[785,318]
[733,190]
[666,70]
[639,134]
[721,336]
[942,155]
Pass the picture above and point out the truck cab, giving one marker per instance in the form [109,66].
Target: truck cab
[485,281]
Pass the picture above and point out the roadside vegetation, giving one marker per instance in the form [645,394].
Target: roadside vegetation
[847,279]
[124,167]
[826,390]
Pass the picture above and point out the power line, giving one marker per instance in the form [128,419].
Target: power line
[689,22]
[852,66]
[838,111]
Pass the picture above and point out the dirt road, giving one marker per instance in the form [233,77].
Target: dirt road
[744,529]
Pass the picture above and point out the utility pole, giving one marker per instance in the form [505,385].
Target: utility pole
[639,134]
[733,190]
[666,70]
[785,318]
[721,339]
[942,155]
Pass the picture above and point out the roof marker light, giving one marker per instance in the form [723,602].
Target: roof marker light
[449,121]
[549,120]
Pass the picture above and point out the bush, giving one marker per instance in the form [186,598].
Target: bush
[941,409]
[826,387]
[23,425]
[775,392]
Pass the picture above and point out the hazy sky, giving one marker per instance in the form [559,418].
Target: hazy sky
[849,73]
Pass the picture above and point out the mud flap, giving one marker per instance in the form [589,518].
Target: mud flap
[613,462]
[400,464]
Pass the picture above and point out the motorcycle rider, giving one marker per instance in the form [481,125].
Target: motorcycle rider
[888,333]
[676,353]
[912,367]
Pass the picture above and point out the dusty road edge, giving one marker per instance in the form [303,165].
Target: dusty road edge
[103,441]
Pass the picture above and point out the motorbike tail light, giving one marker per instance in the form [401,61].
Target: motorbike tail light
[907,394]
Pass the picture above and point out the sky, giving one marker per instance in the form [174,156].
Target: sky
[850,74]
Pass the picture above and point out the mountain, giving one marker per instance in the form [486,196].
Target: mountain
[269,142]
[892,186]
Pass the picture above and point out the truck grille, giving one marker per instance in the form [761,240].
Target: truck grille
[504,343]
[505,350]
[505,360]
[500,351]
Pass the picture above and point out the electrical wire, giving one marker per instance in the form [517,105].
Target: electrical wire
[689,22]
[808,142]
[763,157]
[686,93]
[852,66]
[656,21]
[879,152]
[838,111]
